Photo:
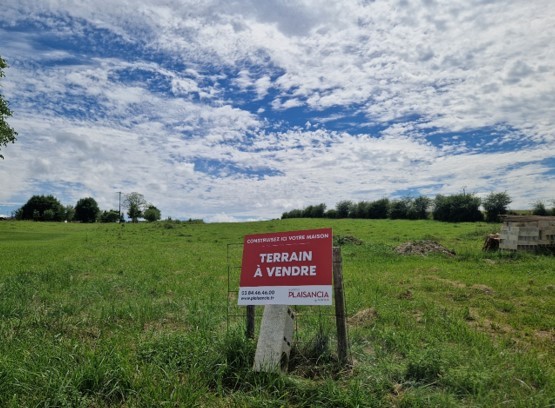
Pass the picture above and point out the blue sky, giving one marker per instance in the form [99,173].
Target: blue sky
[241,110]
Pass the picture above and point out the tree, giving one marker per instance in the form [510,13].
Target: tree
[420,206]
[69,213]
[7,133]
[457,208]
[86,210]
[313,211]
[343,208]
[378,209]
[48,215]
[399,209]
[296,213]
[135,204]
[110,216]
[318,211]
[152,214]
[307,211]
[539,208]
[360,209]
[331,213]
[495,205]
[41,208]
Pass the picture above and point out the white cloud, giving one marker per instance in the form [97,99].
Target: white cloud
[430,67]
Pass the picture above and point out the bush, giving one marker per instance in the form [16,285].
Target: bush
[292,214]
[539,208]
[312,211]
[457,208]
[331,213]
[409,208]
[360,210]
[110,216]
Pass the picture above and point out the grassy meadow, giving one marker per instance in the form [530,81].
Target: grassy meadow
[129,315]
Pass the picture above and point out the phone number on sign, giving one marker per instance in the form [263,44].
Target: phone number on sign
[257,293]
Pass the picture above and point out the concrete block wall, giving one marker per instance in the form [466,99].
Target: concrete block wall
[527,233]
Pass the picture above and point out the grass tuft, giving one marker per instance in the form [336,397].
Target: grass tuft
[425,368]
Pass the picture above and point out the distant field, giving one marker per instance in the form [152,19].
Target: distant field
[136,315]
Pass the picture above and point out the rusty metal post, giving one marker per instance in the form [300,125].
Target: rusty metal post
[340,315]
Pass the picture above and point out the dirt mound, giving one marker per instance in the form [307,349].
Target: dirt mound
[423,248]
[364,317]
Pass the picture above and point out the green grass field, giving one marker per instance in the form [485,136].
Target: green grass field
[137,315]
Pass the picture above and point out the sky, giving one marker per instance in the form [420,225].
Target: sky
[236,110]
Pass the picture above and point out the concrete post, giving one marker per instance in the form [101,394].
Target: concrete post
[275,339]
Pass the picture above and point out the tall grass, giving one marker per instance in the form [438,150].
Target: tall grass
[136,315]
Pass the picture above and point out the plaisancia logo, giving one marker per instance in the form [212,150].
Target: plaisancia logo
[319,294]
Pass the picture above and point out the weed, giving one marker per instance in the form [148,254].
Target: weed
[425,368]
[314,359]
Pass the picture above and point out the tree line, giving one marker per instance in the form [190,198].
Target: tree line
[49,208]
[461,207]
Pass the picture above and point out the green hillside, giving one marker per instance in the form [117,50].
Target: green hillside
[137,315]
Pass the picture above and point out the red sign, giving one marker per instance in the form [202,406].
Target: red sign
[292,268]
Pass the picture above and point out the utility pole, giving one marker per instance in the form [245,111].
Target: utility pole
[119,208]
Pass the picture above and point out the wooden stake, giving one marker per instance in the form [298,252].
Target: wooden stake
[340,318]
[250,321]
